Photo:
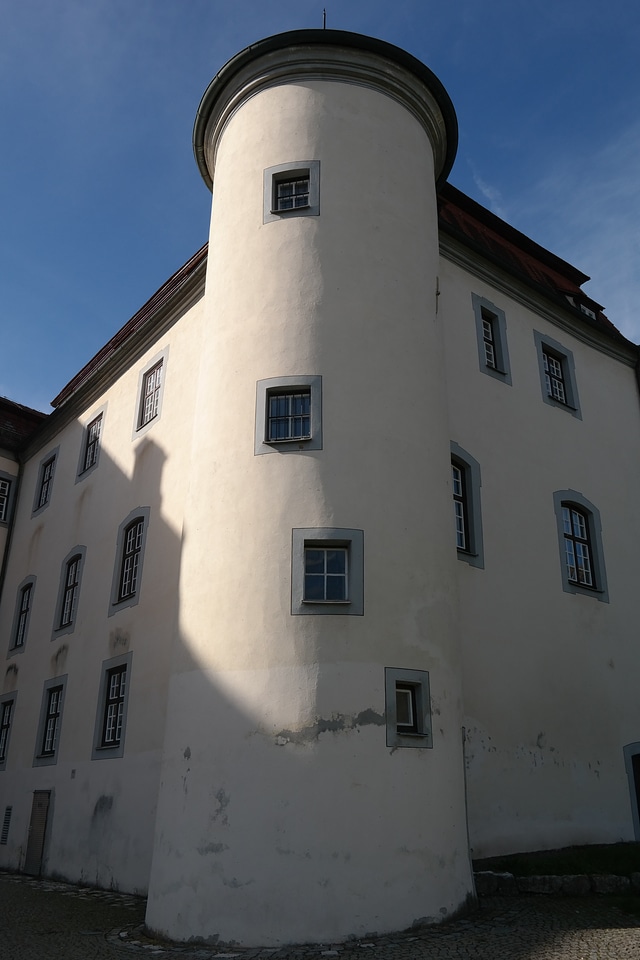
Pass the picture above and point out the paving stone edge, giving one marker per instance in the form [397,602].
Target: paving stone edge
[491,884]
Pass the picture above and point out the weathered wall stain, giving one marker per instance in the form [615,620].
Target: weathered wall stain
[223,800]
[119,640]
[212,848]
[102,807]
[59,659]
[336,724]
[10,678]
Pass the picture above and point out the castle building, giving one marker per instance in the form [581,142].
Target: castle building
[320,579]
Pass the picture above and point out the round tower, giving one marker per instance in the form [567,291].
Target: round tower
[312,786]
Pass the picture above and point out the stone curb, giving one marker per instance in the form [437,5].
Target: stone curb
[490,884]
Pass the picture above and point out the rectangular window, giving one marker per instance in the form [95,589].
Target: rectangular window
[46,481]
[460,512]
[554,376]
[114,706]
[51,722]
[491,334]
[5,489]
[467,510]
[577,546]
[70,594]
[289,416]
[92,443]
[23,615]
[131,559]
[290,194]
[150,400]
[408,708]
[488,336]
[6,713]
[325,574]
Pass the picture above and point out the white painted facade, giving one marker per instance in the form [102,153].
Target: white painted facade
[260,789]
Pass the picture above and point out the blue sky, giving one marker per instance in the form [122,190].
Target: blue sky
[101,201]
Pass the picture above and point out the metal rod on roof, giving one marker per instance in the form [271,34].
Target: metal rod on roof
[324,18]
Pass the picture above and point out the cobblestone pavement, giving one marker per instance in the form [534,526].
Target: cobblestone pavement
[47,920]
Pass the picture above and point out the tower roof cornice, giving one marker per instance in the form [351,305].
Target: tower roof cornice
[326,55]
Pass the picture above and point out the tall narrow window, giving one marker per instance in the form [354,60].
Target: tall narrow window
[6,714]
[131,559]
[51,722]
[459,507]
[114,706]
[70,593]
[5,488]
[289,416]
[46,481]
[6,823]
[24,608]
[491,333]
[150,400]
[577,546]
[488,336]
[92,443]
[554,376]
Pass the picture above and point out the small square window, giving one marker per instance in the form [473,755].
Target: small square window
[288,414]
[408,708]
[291,190]
[557,375]
[327,571]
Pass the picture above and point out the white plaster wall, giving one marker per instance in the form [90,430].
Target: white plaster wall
[549,677]
[102,814]
[269,830]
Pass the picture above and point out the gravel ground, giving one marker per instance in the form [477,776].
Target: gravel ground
[47,920]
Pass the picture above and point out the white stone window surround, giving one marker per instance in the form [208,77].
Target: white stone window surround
[485,310]
[325,537]
[40,758]
[473,553]
[68,593]
[117,602]
[7,698]
[44,486]
[102,751]
[20,624]
[396,678]
[564,356]
[294,170]
[287,385]
[141,424]
[98,416]
[599,590]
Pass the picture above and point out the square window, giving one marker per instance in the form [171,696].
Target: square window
[288,414]
[557,375]
[408,708]
[491,333]
[111,711]
[291,190]
[327,571]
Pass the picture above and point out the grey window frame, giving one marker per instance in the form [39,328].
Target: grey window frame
[287,385]
[6,514]
[61,629]
[117,601]
[159,359]
[295,170]
[418,681]
[29,583]
[326,537]
[5,698]
[473,554]
[600,590]
[51,458]
[40,758]
[485,309]
[83,470]
[545,344]
[101,750]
